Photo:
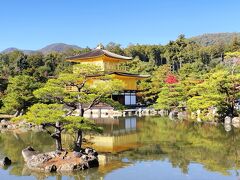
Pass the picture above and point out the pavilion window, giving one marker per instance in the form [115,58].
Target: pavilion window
[130,123]
[130,98]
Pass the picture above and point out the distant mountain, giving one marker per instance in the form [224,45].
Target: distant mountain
[56,47]
[8,50]
[205,40]
[215,38]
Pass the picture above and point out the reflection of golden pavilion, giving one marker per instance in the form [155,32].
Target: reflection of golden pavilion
[110,64]
[119,135]
[115,143]
[113,165]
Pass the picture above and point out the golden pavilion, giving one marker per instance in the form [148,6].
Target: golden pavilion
[110,64]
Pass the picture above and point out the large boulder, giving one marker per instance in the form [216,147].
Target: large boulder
[162,113]
[5,161]
[182,115]
[227,120]
[38,160]
[3,121]
[28,152]
[227,127]
[236,122]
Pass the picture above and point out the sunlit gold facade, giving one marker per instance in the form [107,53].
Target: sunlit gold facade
[110,64]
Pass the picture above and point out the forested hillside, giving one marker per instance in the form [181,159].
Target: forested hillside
[183,74]
[215,38]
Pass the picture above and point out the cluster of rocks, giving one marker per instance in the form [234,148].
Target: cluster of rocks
[21,125]
[60,161]
[6,124]
[229,122]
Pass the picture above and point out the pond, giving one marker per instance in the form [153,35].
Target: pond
[140,148]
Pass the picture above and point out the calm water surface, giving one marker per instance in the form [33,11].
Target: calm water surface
[140,148]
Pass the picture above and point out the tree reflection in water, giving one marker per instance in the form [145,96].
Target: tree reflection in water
[183,142]
[152,138]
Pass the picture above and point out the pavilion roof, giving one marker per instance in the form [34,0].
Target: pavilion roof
[96,53]
[122,74]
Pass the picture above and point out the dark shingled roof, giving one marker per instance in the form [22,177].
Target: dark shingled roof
[121,74]
[129,74]
[96,53]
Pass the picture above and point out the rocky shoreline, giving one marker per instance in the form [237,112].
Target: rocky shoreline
[19,126]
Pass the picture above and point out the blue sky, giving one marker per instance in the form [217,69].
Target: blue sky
[33,24]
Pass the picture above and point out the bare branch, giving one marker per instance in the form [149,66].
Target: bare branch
[44,127]
[70,112]
[80,86]
[95,102]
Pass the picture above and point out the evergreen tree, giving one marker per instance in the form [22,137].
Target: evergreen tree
[19,94]
[76,92]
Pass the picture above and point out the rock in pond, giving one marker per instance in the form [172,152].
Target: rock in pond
[227,120]
[28,152]
[227,127]
[3,121]
[5,161]
[236,122]
[61,161]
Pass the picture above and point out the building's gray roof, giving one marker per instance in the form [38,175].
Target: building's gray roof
[96,53]
[122,74]
[129,74]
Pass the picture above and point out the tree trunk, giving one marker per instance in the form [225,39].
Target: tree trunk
[58,137]
[232,108]
[59,143]
[180,63]
[78,143]
[18,113]
[81,109]
[222,57]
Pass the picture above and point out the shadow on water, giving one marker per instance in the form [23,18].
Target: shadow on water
[134,140]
